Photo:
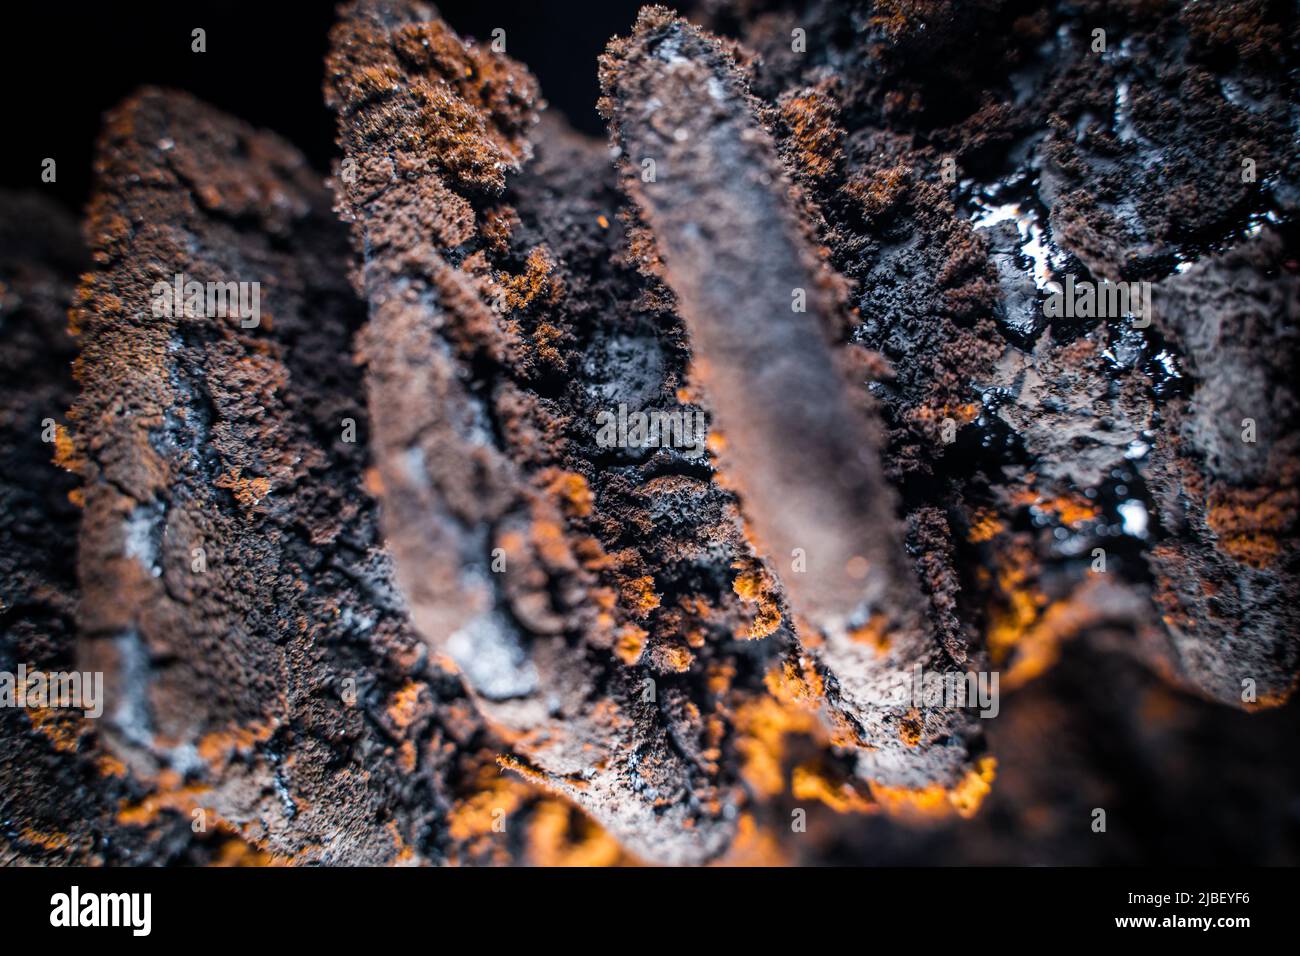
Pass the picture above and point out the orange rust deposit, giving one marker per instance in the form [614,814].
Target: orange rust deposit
[874,634]
[403,708]
[985,526]
[247,491]
[485,811]
[763,724]
[558,835]
[177,799]
[1018,604]
[1070,510]
[306,465]
[936,802]
[1253,523]
[811,782]
[755,586]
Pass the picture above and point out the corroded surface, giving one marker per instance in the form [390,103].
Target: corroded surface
[50,798]
[259,663]
[471,331]
[799,445]
[1072,434]
[368,586]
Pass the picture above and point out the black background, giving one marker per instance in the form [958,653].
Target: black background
[63,64]
[997,909]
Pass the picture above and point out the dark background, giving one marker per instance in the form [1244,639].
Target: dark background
[63,64]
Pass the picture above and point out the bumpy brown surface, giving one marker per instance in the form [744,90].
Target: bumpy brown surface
[563,652]
[799,445]
[269,679]
[469,429]
[1123,163]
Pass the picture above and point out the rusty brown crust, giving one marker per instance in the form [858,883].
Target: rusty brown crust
[461,422]
[1062,431]
[802,451]
[259,664]
[619,617]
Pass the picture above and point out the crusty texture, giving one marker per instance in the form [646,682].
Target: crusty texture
[480,510]
[52,795]
[594,655]
[1089,433]
[1228,569]
[270,678]
[800,446]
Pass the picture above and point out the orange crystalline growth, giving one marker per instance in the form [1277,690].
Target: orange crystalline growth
[755,586]
[810,117]
[935,801]
[559,835]
[812,781]
[247,491]
[573,490]
[796,683]
[630,643]
[538,281]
